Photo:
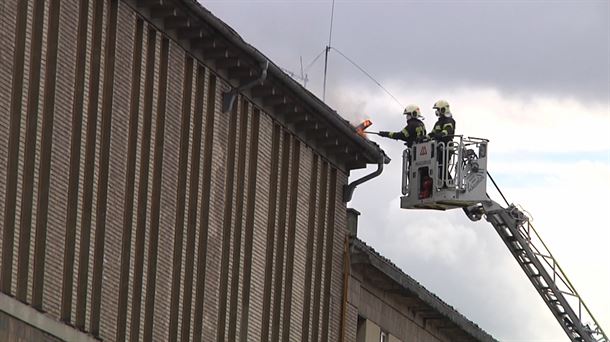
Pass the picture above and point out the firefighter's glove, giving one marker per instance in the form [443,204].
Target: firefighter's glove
[384,134]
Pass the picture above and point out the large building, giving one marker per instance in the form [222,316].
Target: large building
[162,180]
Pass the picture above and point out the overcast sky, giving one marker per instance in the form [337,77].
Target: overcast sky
[532,76]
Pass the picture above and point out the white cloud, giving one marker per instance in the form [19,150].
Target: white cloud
[571,213]
[513,123]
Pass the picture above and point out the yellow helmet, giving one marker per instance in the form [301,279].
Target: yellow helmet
[441,107]
[412,111]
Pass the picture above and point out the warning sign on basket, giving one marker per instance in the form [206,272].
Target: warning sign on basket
[423,151]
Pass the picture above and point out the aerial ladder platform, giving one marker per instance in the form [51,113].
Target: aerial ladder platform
[453,175]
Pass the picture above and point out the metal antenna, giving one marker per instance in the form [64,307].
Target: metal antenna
[327,50]
[303,76]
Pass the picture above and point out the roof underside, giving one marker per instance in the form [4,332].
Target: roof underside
[426,304]
[215,44]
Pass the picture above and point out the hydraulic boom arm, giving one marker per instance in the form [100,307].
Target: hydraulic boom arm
[542,269]
[445,176]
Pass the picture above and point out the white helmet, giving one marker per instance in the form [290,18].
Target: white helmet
[412,111]
[442,108]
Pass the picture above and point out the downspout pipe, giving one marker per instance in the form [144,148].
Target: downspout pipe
[346,275]
[348,190]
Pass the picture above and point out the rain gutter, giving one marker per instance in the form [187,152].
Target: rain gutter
[348,190]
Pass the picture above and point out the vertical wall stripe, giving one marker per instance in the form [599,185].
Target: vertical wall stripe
[205,208]
[46,141]
[134,111]
[75,142]
[102,182]
[85,236]
[180,196]
[311,227]
[239,214]
[271,213]
[192,206]
[330,243]
[292,222]
[247,272]
[226,227]
[31,122]
[13,148]
[315,320]
[143,187]
[153,242]
[281,237]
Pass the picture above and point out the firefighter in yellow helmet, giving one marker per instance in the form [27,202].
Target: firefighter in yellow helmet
[444,128]
[415,129]
[443,132]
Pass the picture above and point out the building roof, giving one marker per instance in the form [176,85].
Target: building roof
[428,304]
[215,43]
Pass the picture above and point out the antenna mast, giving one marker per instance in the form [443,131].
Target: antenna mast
[327,50]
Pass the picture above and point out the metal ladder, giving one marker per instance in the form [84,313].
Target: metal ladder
[544,272]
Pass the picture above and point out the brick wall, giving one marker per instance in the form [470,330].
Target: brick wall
[133,208]
[369,300]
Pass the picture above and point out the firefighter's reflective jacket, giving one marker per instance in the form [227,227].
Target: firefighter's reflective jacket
[414,131]
[444,129]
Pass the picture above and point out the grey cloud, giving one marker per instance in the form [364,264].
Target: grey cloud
[542,47]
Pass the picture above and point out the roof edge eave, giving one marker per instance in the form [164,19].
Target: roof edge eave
[373,153]
[402,279]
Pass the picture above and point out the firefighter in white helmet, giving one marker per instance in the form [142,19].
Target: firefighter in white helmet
[443,132]
[415,129]
[444,128]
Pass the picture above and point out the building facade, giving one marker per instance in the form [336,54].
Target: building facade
[163,180]
[136,207]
